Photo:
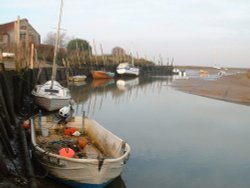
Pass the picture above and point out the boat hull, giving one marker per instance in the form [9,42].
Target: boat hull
[77,78]
[102,75]
[51,104]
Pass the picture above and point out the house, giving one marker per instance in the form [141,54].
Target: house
[18,32]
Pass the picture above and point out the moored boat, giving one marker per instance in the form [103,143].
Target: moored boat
[51,97]
[127,69]
[102,75]
[77,78]
[92,158]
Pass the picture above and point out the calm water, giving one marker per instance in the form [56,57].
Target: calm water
[177,139]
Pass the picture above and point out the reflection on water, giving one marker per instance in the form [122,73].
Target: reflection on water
[117,183]
[177,139]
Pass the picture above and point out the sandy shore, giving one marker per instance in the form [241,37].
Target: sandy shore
[233,88]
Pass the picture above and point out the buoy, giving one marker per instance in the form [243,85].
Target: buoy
[82,142]
[26,124]
[68,131]
[67,152]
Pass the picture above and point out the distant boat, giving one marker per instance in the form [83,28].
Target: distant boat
[221,73]
[102,74]
[77,78]
[81,153]
[51,95]
[127,69]
[176,71]
[217,67]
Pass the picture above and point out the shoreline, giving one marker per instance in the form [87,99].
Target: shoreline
[232,88]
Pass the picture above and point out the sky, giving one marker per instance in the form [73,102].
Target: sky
[193,32]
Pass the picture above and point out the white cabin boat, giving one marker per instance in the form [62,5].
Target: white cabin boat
[127,69]
[94,164]
[51,98]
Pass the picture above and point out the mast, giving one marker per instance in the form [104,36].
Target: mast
[53,76]
[103,58]
[132,57]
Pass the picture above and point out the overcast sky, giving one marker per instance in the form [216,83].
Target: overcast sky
[194,32]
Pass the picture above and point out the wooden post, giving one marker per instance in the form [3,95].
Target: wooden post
[17,31]
[32,56]
[83,121]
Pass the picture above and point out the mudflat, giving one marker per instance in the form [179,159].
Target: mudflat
[233,88]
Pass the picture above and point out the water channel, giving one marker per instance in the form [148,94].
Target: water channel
[178,140]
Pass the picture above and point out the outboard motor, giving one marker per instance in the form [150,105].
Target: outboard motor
[65,113]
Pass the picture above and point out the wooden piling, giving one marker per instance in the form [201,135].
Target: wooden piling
[26,157]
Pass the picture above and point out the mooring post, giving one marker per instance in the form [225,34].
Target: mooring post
[83,121]
[26,156]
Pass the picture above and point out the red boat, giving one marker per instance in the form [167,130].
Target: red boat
[102,75]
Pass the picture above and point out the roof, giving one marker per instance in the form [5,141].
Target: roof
[4,28]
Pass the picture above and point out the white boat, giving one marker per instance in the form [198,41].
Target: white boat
[51,95]
[176,71]
[222,73]
[97,160]
[77,78]
[127,69]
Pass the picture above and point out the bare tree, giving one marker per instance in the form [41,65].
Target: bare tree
[50,39]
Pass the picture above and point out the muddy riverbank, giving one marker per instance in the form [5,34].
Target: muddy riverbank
[232,88]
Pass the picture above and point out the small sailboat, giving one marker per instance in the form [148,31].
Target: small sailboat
[79,152]
[51,95]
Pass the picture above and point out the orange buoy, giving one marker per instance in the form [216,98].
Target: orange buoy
[26,124]
[82,142]
[68,131]
[67,152]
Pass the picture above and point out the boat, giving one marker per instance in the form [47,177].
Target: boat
[102,74]
[222,73]
[51,95]
[127,69]
[77,78]
[176,71]
[79,152]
